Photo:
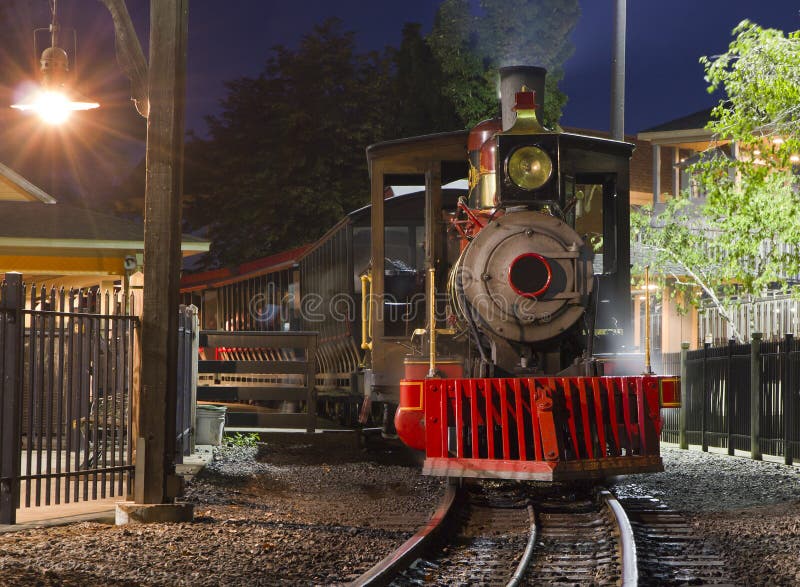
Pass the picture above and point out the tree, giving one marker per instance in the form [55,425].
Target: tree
[471,48]
[420,108]
[743,236]
[468,82]
[285,159]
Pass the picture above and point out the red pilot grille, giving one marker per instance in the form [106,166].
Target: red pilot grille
[529,275]
[542,427]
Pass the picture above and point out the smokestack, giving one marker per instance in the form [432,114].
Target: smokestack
[511,81]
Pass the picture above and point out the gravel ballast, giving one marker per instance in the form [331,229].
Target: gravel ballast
[320,510]
[748,510]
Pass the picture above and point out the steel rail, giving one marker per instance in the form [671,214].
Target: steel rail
[630,568]
[524,562]
[388,568]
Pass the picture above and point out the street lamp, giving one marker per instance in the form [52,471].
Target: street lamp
[158,90]
[55,101]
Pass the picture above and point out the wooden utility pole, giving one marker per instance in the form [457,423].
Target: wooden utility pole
[154,409]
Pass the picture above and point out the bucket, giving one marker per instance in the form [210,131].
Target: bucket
[210,423]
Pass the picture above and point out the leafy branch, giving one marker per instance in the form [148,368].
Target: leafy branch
[739,235]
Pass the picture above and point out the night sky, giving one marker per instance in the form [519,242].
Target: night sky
[665,40]
[233,38]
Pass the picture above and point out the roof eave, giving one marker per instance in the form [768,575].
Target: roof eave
[26,186]
[672,137]
[46,243]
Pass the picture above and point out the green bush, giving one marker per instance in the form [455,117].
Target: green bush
[239,439]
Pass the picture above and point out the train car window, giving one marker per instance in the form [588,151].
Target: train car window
[592,210]
[403,281]
[398,247]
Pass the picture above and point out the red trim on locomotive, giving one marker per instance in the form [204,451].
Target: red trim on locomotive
[409,420]
[540,428]
[545,263]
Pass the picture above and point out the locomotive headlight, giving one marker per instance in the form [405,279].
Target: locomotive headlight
[529,167]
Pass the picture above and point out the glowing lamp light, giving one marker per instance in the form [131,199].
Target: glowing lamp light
[53,107]
[55,101]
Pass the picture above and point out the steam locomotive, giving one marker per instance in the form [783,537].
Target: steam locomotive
[520,370]
[492,322]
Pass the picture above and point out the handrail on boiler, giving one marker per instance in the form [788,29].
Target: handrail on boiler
[366,312]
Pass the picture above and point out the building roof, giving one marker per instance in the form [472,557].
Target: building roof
[35,224]
[61,240]
[14,187]
[696,120]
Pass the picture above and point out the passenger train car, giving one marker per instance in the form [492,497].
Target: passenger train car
[495,318]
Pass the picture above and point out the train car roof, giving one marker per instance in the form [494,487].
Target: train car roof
[449,200]
[607,144]
[225,275]
[404,161]
[445,145]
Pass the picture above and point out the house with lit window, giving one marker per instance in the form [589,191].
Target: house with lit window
[674,146]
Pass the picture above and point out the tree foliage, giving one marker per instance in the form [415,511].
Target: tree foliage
[419,107]
[285,159]
[742,236]
[468,83]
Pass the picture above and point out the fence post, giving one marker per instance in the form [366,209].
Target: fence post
[704,394]
[311,382]
[195,354]
[13,331]
[755,397]
[181,387]
[729,397]
[786,396]
[682,414]
[135,488]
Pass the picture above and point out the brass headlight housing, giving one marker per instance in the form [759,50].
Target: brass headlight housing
[529,167]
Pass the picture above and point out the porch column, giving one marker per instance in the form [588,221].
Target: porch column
[676,171]
[656,173]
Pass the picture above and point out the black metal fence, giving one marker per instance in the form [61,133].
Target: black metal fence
[738,397]
[67,365]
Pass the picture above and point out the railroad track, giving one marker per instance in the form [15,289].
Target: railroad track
[485,538]
[508,534]
[521,534]
[670,553]
[584,539]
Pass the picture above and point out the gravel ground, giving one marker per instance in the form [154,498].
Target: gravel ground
[319,510]
[295,511]
[750,511]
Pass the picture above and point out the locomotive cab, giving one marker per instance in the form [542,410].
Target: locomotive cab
[430,161]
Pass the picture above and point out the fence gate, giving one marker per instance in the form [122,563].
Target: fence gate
[66,365]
